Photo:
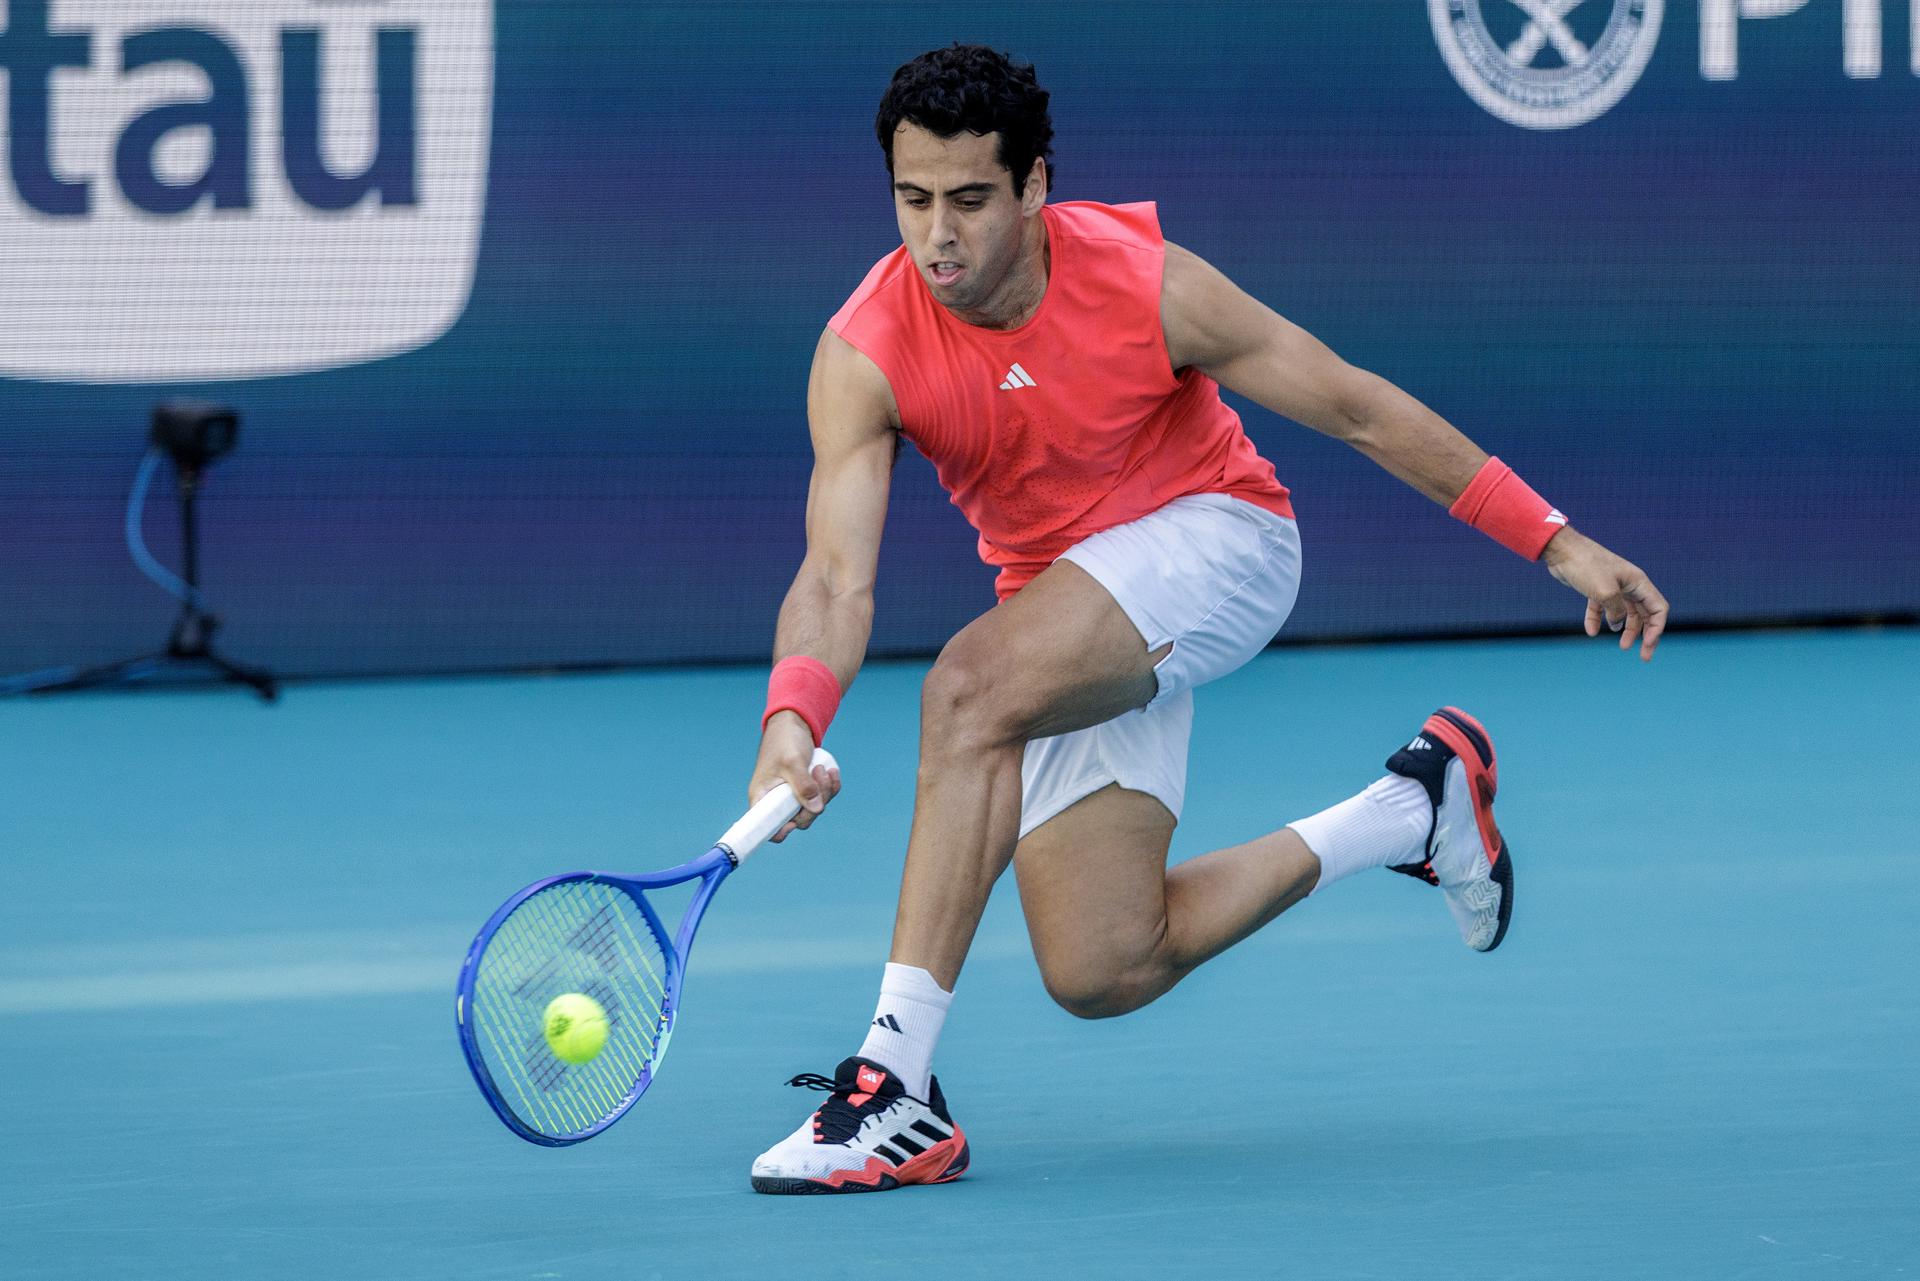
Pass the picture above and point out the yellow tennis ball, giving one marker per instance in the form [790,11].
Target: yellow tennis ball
[576,1027]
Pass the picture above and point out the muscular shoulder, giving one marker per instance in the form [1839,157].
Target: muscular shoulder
[847,388]
[1201,311]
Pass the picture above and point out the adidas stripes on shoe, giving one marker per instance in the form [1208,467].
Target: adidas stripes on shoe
[868,1136]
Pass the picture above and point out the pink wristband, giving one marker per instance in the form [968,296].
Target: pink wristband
[806,686]
[1500,505]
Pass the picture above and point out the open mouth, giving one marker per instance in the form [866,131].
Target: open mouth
[945,273]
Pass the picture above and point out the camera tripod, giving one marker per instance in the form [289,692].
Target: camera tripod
[192,435]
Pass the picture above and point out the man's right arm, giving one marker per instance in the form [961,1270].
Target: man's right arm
[828,613]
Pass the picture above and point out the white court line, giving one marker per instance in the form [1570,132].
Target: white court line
[309,967]
[242,969]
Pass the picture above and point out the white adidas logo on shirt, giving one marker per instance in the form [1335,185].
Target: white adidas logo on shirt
[1017,378]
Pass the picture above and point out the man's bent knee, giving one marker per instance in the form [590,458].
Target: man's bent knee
[963,704]
[1087,994]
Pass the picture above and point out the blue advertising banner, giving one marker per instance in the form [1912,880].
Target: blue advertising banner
[516,299]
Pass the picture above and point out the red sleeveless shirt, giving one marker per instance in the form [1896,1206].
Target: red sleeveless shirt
[1072,423]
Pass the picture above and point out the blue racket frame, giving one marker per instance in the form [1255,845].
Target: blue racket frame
[710,868]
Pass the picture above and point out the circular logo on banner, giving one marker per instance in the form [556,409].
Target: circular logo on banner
[1546,64]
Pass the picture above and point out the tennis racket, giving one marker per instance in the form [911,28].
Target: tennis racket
[594,934]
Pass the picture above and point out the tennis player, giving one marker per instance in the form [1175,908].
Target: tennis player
[1060,364]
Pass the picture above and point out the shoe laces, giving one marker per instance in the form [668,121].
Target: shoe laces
[1420,871]
[836,1120]
[1423,870]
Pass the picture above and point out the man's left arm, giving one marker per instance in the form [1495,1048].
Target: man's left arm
[1216,327]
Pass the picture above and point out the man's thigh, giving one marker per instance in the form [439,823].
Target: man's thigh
[1093,885]
[1060,656]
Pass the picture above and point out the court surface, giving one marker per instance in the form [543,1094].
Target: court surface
[229,934]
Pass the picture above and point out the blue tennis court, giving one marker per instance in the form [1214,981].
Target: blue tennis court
[229,937]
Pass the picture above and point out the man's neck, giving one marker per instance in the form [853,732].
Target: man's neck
[1026,285]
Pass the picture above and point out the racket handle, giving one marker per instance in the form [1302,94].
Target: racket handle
[768,815]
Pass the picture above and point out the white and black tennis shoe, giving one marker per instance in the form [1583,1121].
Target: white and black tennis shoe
[1452,758]
[869,1136]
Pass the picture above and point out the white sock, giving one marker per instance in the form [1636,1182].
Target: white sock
[906,1026]
[1384,825]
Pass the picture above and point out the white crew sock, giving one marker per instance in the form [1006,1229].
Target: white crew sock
[906,1026]
[1384,825]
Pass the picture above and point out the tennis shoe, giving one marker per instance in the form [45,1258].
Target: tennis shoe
[869,1136]
[1452,758]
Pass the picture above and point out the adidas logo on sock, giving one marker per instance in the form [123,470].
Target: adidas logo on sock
[1419,744]
[888,1022]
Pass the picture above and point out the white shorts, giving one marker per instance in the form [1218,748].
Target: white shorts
[1214,575]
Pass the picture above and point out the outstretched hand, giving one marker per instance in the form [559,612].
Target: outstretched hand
[1617,590]
[786,753]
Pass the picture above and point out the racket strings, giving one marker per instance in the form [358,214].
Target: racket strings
[576,936]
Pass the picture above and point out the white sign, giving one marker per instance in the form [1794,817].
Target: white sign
[1541,73]
[210,189]
[1546,76]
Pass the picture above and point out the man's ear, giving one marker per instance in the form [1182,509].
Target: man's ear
[1034,194]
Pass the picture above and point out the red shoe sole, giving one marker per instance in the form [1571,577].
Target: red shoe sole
[1474,746]
[1469,741]
[944,1162]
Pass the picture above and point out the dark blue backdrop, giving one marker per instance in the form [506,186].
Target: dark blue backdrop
[1692,323]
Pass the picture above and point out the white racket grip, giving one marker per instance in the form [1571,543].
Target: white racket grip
[769,814]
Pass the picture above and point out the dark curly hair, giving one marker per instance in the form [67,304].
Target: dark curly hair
[973,88]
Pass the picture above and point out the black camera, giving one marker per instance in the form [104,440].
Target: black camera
[194,432]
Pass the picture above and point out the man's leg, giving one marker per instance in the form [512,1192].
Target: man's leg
[1113,928]
[1059,656]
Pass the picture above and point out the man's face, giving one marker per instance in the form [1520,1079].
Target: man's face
[958,215]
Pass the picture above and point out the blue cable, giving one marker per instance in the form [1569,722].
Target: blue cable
[137,544]
[170,582]
[30,681]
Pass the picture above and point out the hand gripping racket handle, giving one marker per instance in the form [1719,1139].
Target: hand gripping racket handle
[768,815]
